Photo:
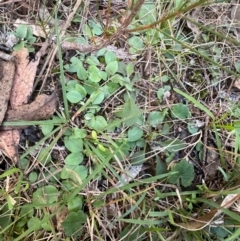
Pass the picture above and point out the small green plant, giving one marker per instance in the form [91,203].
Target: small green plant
[117,118]
[72,172]
[184,175]
[26,39]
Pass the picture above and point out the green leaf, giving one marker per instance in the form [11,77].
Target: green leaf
[165,129]
[185,173]
[74,96]
[147,13]
[92,60]
[23,163]
[5,217]
[138,158]
[66,172]
[101,147]
[76,173]
[172,145]
[110,57]
[74,204]
[192,128]
[164,79]
[136,44]
[28,211]
[98,123]
[71,85]
[46,129]
[19,46]
[127,83]
[103,74]
[44,156]
[237,66]
[78,133]
[32,222]
[73,223]
[180,111]
[98,97]
[161,166]
[73,144]
[81,171]
[141,143]
[134,134]
[33,177]
[93,73]
[76,63]
[29,32]
[30,49]
[160,93]
[94,135]
[96,27]
[130,69]
[88,116]
[31,40]
[179,3]
[74,159]
[46,226]
[112,67]
[101,52]
[156,117]
[195,102]
[90,86]
[117,79]
[130,113]
[87,32]
[21,31]
[112,87]
[81,90]
[45,195]
[82,73]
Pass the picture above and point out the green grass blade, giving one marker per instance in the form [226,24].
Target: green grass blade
[62,78]
[196,103]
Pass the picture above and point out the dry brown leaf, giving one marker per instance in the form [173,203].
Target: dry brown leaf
[199,223]
[22,86]
[60,215]
[21,90]
[9,143]
[7,70]
[42,108]
[237,84]
[24,76]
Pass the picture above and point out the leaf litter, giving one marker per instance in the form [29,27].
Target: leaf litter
[7,70]
[18,90]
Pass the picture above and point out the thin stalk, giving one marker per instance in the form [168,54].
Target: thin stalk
[62,78]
